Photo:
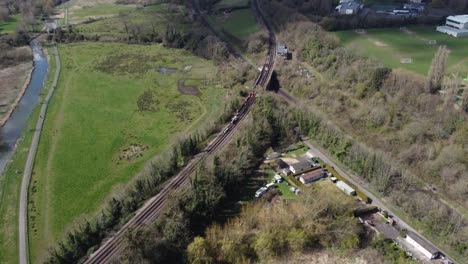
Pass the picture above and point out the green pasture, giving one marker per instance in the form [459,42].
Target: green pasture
[232,4]
[10,180]
[148,19]
[81,10]
[94,117]
[238,24]
[10,24]
[390,44]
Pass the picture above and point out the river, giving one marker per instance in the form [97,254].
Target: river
[11,131]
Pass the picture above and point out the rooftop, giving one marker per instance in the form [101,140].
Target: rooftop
[429,247]
[301,165]
[312,174]
[460,18]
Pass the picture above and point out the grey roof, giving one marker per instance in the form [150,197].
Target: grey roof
[301,165]
[351,5]
[429,247]
[281,49]
[313,174]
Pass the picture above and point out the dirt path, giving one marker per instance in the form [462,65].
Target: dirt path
[23,242]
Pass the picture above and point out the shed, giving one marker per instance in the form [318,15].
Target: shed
[345,188]
[427,249]
[349,8]
[282,164]
[282,50]
[300,166]
[312,176]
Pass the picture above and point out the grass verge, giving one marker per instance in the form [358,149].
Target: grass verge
[10,24]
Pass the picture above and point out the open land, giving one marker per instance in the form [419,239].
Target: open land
[85,10]
[10,24]
[224,4]
[390,45]
[110,114]
[238,24]
[10,181]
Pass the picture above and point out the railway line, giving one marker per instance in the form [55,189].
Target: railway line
[154,207]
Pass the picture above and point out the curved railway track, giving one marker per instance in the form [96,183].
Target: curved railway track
[154,207]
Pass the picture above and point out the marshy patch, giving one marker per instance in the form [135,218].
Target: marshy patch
[132,64]
[182,110]
[187,89]
[166,70]
[147,102]
[132,151]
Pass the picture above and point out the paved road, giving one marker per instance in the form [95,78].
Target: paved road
[363,187]
[23,247]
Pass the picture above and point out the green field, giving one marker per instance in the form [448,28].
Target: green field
[9,25]
[231,4]
[94,118]
[391,44]
[82,10]
[11,178]
[239,24]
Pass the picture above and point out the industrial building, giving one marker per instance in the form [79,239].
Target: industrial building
[423,246]
[345,188]
[456,26]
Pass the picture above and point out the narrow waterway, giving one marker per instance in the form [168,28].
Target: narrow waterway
[10,132]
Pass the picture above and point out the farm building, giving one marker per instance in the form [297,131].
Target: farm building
[456,26]
[300,166]
[349,8]
[312,176]
[345,188]
[423,246]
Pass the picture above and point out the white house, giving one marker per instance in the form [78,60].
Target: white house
[423,246]
[349,7]
[456,26]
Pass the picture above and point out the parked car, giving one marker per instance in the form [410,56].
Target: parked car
[261,191]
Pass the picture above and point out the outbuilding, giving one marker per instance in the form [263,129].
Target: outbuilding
[345,188]
[300,166]
[456,26]
[427,249]
[312,176]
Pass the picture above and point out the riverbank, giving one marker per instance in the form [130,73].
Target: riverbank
[4,118]
[10,180]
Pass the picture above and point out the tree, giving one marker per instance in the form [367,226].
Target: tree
[197,252]
[437,70]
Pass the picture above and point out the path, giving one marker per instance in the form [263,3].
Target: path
[23,247]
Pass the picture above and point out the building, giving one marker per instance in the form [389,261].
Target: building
[456,26]
[416,1]
[422,245]
[282,50]
[349,8]
[345,188]
[414,6]
[312,176]
[261,191]
[300,166]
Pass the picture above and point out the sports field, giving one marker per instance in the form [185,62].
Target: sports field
[239,23]
[419,44]
[112,111]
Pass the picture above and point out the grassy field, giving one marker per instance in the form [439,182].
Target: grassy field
[238,23]
[231,4]
[155,16]
[9,25]
[94,118]
[82,10]
[391,44]
[10,181]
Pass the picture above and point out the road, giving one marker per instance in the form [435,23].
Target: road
[23,246]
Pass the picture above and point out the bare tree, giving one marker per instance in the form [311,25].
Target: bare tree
[437,70]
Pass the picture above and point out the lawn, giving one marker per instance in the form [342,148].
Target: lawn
[10,180]
[389,45]
[239,24]
[284,186]
[93,119]
[9,25]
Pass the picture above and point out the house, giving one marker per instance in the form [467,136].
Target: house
[428,250]
[282,50]
[414,6]
[312,176]
[349,8]
[456,26]
[281,164]
[345,188]
[300,166]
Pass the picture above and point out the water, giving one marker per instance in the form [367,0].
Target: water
[10,132]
